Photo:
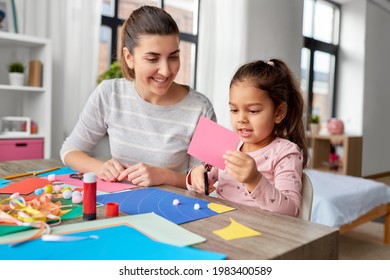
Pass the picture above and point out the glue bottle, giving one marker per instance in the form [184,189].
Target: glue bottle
[89,200]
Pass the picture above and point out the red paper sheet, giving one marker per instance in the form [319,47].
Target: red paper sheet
[25,186]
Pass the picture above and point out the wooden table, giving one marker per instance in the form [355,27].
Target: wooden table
[282,237]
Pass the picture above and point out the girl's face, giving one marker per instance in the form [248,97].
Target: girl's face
[253,115]
[156,61]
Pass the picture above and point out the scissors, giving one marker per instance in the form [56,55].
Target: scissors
[76,176]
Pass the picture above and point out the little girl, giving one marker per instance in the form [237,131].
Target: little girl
[266,108]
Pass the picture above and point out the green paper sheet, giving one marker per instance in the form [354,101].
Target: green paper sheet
[8,229]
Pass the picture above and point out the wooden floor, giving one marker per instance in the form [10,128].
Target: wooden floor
[385,180]
[366,241]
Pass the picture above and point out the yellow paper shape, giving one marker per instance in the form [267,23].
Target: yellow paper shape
[235,231]
[63,212]
[219,208]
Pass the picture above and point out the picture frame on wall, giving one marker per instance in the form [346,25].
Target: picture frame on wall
[8,16]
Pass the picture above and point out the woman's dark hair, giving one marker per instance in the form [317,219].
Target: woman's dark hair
[279,82]
[142,21]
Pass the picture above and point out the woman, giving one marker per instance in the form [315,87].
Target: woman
[149,118]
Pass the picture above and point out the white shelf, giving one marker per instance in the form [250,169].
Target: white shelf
[6,89]
[26,101]
[19,136]
[8,39]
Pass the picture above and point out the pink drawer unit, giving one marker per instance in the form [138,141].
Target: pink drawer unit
[16,149]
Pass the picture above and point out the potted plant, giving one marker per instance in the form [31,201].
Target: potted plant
[113,72]
[314,124]
[16,74]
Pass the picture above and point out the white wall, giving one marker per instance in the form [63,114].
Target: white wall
[363,90]
[350,80]
[222,37]
[376,125]
[241,31]
[275,31]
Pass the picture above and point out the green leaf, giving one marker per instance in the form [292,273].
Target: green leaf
[113,72]
[16,67]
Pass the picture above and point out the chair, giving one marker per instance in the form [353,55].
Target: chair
[307,198]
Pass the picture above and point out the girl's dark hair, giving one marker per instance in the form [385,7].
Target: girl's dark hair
[279,82]
[142,21]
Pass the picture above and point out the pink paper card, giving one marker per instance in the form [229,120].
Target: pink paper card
[25,186]
[210,142]
[101,185]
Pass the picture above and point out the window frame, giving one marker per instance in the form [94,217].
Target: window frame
[314,45]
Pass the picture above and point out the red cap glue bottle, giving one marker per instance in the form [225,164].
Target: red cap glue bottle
[89,200]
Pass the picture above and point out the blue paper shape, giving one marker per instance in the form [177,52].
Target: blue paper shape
[4,182]
[113,243]
[141,201]
[61,171]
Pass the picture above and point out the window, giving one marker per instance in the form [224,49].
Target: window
[319,56]
[185,13]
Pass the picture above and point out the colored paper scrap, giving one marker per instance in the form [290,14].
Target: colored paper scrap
[113,243]
[8,229]
[150,224]
[235,231]
[25,186]
[108,187]
[73,213]
[211,141]
[160,202]
[219,208]
[3,182]
[61,171]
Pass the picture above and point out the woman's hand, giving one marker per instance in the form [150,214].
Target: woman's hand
[242,167]
[144,175]
[110,170]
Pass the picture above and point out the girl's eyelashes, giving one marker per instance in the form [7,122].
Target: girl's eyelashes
[250,111]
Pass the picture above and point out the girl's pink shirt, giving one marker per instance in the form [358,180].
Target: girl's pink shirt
[279,190]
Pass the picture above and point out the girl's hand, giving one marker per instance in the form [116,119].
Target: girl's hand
[110,170]
[242,167]
[197,180]
[144,175]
